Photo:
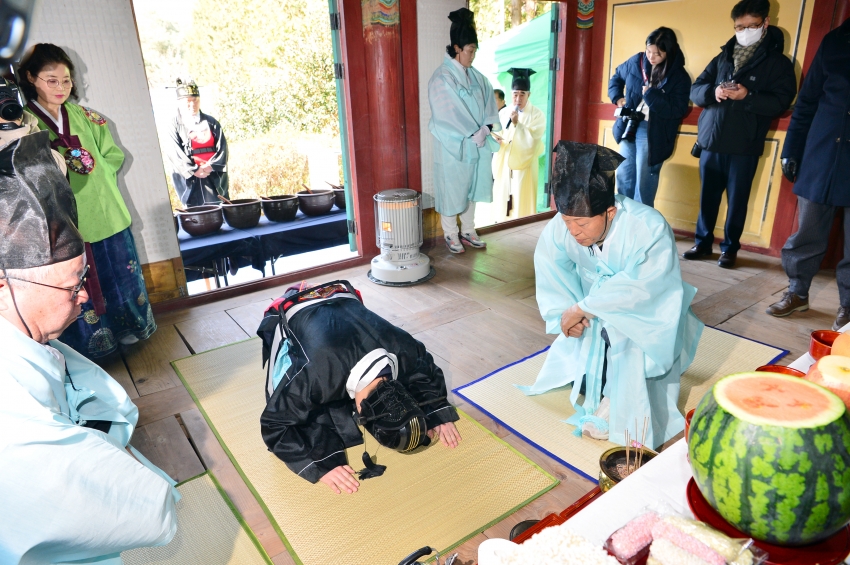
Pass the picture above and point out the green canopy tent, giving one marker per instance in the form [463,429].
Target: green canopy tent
[525,46]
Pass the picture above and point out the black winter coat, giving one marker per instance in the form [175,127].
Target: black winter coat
[668,102]
[819,132]
[739,127]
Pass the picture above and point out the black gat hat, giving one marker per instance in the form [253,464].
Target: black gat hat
[583,178]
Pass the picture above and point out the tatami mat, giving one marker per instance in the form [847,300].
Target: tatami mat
[437,496]
[208,532]
[538,419]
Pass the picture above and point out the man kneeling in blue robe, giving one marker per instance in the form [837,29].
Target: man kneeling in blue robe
[608,282]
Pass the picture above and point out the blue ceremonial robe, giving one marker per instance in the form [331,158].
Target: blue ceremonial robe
[70,493]
[634,287]
[461,102]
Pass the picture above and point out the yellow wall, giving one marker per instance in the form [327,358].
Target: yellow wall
[702,26]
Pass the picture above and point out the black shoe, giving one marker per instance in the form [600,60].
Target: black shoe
[842,319]
[696,252]
[727,259]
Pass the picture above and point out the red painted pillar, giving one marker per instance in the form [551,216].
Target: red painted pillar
[382,41]
[842,12]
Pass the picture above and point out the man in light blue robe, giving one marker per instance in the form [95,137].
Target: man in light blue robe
[609,284]
[72,490]
[463,113]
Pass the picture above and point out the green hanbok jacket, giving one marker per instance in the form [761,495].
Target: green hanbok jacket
[101,208]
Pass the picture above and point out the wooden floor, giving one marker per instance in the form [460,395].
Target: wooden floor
[478,314]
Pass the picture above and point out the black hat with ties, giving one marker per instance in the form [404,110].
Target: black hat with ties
[583,178]
[462,32]
[522,79]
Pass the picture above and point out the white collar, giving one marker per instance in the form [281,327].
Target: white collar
[57,121]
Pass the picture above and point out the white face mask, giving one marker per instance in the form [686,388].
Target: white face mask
[749,36]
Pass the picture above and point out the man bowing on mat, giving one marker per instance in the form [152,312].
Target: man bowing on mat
[608,282]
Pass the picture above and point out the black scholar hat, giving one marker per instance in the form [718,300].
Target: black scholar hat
[394,418]
[583,178]
[522,79]
[463,32]
[38,211]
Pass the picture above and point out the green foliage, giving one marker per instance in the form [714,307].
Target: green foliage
[493,17]
[272,62]
[267,165]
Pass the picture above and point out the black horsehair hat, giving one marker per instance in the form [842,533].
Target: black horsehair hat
[393,417]
[184,90]
[38,211]
[522,78]
[463,32]
[583,178]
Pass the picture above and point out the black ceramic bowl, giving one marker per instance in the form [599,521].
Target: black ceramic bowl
[316,203]
[339,198]
[281,208]
[242,213]
[201,220]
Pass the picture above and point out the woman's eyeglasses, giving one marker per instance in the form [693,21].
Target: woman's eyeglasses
[56,84]
[75,290]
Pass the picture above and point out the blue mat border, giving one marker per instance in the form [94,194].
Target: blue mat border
[540,448]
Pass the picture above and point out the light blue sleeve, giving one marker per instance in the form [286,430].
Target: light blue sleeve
[558,284]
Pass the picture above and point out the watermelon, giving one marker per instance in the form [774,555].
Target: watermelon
[771,453]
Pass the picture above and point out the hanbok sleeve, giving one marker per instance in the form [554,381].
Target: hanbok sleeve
[527,141]
[451,122]
[558,283]
[80,496]
[110,152]
[644,300]
[426,383]
[293,433]
[181,163]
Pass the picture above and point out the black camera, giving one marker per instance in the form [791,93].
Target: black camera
[10,101]
[632,118]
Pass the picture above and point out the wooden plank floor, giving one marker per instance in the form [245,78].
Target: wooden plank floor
[478,314]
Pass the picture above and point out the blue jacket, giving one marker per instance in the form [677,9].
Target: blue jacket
[739,127]
[668,102]
[819,133]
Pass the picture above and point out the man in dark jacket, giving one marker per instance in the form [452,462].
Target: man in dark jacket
[340,365]
[741,91]
[817,156]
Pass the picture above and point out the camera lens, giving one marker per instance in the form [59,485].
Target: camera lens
[10,110]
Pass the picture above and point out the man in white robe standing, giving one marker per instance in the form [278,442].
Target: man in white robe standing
[515,166]
[71,487]
[609,284]
[463,113]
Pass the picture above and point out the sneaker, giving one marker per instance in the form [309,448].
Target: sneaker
[841,319]
[471,238]
[788,304]
[593,427]
[454,244]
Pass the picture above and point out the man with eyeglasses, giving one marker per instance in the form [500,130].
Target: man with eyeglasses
[71,487]
[749,84]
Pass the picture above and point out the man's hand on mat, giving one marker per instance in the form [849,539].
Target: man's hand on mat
[447,433]
[341,479]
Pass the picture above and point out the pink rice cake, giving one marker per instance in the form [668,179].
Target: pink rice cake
[664,530]
[629,540]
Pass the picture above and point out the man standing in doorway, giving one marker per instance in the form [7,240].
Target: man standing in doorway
[198,153]
[741,91]
[515,166]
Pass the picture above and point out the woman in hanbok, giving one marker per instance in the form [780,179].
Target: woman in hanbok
[118,310]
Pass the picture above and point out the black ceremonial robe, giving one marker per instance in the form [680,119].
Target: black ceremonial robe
[309,418]
[191,190]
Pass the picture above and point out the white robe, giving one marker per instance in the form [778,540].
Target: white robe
[515,166]
[635,289]
[69,493]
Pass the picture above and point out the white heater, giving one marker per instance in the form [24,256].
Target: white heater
[398,231]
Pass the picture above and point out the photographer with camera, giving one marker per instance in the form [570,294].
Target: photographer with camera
[15,123]
[656,99]
[741,91]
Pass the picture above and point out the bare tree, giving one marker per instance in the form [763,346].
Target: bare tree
[530,9]
[516,12]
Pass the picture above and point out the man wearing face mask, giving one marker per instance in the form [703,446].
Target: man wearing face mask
[750,83]
[463,113]
[609,285]
[198,153]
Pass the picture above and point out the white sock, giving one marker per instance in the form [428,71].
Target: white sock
[449,225]
[467,218]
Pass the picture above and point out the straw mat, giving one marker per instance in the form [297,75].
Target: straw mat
[435,496]
[208,532]
[538,419]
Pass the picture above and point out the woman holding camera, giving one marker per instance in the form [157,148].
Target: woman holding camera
[657,91]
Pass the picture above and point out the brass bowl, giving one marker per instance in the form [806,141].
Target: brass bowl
[608,461]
